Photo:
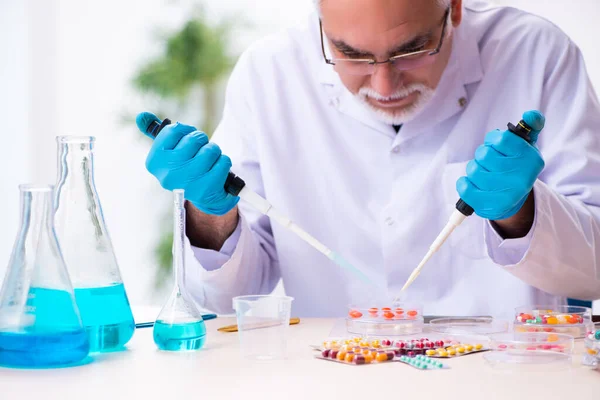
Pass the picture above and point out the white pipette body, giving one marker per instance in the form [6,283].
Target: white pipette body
[267,209]
[455,220]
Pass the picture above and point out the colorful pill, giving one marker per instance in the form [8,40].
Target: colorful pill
[325,353]
[355,314]
[349,357]
[468,347]
[380,357]
[451,352]
[368,358]
[386,309]
[386,342]
[359,359]
[399,311]
[333,354]
[478,346]
[373,312]
[552,320]
[412,313]
[431,352]
[460,349]
[597,335]
[341,355]
[443,353]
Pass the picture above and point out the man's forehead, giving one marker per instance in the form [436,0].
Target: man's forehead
[378,25]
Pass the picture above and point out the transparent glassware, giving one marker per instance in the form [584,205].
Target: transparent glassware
[179,325]
[40,324]
[87,248]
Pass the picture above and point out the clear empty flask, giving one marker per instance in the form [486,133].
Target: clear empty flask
[40,325]
[179,325]
[87,248]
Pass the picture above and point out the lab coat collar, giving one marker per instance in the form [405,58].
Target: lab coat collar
[450,97]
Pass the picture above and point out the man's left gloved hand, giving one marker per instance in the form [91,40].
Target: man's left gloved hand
[503,172]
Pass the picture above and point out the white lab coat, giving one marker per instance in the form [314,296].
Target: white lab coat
[299,138]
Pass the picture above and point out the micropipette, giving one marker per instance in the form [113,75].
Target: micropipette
[463,210]
[234,185]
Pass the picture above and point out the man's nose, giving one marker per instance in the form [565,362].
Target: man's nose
[386,79]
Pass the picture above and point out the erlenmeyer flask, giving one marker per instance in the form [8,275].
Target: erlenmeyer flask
[87,248]
[40,324]
[179,325]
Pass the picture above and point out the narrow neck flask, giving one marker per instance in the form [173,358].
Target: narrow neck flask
[40,324]
[87,248]
[179,326]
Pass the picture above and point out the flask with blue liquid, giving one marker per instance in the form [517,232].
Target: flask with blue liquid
[179,325]
[40,325]
[87,248]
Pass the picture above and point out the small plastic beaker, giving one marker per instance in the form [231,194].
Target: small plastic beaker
[263,323]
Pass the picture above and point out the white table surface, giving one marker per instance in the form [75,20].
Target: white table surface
[217,372]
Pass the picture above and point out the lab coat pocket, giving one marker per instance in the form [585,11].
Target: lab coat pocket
[468,238]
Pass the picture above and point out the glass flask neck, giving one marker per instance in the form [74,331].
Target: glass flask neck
[76,161]
[178,239]
[37,211]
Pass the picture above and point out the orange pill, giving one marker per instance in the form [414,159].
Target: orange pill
[412,313]
[388,315]
[381,357]
[368,358]
[552,320]
[349,357]
[355,314]
[341,355]
[399,311]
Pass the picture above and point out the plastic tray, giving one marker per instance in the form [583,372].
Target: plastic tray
[530,349]
[570,320]
[468,325]
[387,321]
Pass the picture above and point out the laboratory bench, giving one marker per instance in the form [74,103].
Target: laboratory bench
[218,372]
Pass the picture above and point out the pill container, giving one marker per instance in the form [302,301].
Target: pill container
[468,325]
[591,355]
[530,349]
[570,320]
[389,321]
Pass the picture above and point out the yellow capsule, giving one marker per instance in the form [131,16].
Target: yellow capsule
[347,341]
[431,352]
[478,346]
[364,343]
[357,340]
[451,352]
[460,349]
[375,343]
[443,353]
[468,347]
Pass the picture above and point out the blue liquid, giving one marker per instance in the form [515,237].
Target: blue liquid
[39,350]
[106,316]
[177,337]
[51,334]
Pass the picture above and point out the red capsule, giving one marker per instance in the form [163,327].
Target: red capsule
[325,353]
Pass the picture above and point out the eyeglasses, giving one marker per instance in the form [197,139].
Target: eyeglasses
[402,62]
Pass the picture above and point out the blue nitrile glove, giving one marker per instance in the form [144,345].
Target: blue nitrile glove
[503,172]
[182,158]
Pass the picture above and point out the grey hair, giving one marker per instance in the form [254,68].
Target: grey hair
[441,3]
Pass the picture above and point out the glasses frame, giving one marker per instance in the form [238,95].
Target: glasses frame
[391,60]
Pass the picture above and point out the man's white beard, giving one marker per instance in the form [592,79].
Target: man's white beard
[397,117]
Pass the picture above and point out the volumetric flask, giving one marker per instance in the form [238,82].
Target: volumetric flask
[87,248]
[40,325]
[179,325]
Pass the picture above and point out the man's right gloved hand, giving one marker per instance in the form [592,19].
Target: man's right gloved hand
[181,157]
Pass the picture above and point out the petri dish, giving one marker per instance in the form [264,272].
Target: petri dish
[570,320]
[591,355]
[397,319]
[468,325]
[530,351]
